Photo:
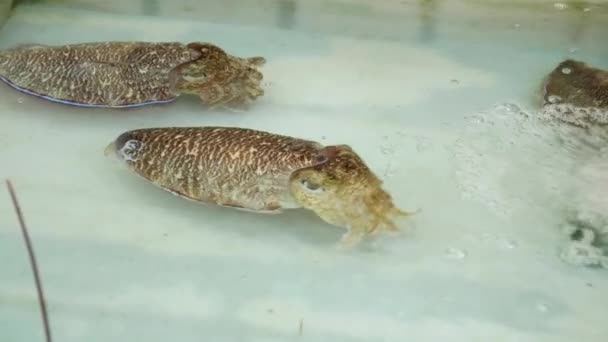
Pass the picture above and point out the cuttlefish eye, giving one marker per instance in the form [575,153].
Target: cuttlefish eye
[311,186]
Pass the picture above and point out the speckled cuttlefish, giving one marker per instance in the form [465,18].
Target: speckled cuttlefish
[262,172]
[132,74]
[576,93]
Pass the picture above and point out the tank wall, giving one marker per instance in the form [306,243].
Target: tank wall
[5,7]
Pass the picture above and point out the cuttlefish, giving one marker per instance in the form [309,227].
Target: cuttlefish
[261,172]
[132,74]
[576,93]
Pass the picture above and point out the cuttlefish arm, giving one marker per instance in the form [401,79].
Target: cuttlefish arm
[346,193]
[220,79]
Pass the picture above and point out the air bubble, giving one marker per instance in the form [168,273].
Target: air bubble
[510,244]
[389,171]
[581,254]
[455,253]
[588,236]
[540,307]
[388,150]
[560,6]
[20,100]
[423,144]
[508,107]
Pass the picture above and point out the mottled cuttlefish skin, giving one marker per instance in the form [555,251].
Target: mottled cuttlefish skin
[131,74]
[232,167]
[576,93]
[261,172]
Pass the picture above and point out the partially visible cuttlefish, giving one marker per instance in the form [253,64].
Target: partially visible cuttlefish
[262,172]
[132,74]
[576,93]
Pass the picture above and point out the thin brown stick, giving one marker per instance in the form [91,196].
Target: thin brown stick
[30,250]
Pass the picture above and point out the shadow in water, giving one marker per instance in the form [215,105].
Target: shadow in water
[428,9]
[150,7]
[286,14]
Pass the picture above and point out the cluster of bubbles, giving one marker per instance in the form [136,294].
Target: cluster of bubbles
[512,160]
[501,148]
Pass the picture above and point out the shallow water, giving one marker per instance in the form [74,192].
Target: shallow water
[433,95]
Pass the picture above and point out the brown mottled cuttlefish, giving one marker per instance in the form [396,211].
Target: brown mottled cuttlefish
[262,172]
[576,93]
[132,74]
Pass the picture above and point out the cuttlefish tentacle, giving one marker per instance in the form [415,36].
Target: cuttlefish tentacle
[346,193]
[220,79]
[382,221]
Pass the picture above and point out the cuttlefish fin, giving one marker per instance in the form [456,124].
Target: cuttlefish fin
[28,45]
